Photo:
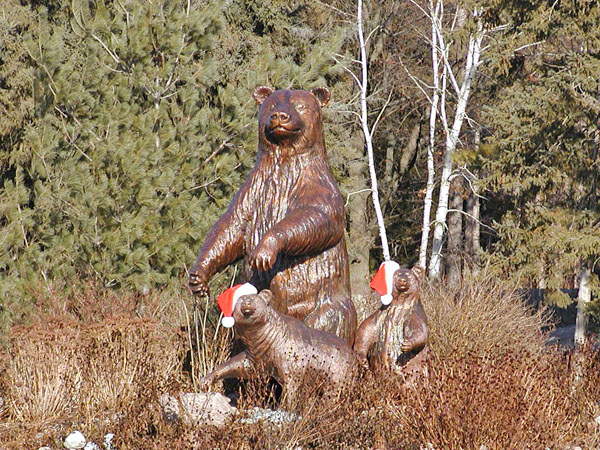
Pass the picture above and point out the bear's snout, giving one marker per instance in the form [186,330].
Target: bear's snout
[247,307]
[402,284]
[279,117]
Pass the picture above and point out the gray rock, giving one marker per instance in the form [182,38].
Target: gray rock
[91,446]
[75,440]
[276,417]
[204,408]
[108,445]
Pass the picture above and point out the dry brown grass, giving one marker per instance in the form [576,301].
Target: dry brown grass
[482,316]
[86,361]
[210,342]
[90,376]
[465,403]
[504,402]
[88,365]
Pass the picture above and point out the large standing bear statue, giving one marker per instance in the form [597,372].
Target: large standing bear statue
[287,220]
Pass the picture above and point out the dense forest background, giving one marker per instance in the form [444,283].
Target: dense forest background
[126,127]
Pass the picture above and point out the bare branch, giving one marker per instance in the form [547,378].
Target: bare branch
[523,47]
[354,193]
[417,82]
[349,71]
[474,218]
[112,55]
[371,34]
[339,11]
[387,102]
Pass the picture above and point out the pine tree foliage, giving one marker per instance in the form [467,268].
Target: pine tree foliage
[545,162]
[129,125]
[104,182]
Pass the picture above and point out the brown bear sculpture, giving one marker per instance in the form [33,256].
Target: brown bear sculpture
[395,337]
[287,220]
[287,349]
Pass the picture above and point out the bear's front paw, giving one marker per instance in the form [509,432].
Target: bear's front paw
[265,254]
[198,283]
[407,346]
[205,382]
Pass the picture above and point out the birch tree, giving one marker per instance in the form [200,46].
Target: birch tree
[584,298]
[462,92]
[362,81]
[435,99]
[445,91]
[363,86]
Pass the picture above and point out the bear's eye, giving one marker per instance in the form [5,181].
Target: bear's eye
[299,106]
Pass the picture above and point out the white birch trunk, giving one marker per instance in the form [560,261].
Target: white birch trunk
[583,299]
[367,134]
[472,61]
[431,145]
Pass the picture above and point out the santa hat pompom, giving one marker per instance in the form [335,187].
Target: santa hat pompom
[383,281]
[229,298]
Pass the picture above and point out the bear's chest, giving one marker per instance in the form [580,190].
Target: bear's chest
[274,191]
[390,335]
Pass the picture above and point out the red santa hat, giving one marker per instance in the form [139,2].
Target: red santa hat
[229,298]
[383,281]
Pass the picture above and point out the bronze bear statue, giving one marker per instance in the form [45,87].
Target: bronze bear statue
[287,220]
[287,349]
[395,337]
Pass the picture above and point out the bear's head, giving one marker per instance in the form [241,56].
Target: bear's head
[291,119]
[407,281]
[253,310]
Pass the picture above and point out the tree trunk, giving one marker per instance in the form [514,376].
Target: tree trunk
[367,133]
[360,233]
[583,299]
[409,155]
[435,99]
[407,159]
[454,251]
[472,227]
[451,143]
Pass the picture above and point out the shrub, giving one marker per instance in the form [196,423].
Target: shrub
[483,316]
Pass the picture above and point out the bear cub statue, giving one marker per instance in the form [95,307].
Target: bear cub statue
[287,220]
[395,337]
[296,355]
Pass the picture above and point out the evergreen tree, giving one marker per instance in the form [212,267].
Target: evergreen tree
[544,160]
[103,184]
[143,127]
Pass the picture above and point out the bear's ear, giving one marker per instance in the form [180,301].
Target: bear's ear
[322,94]
[261,93]
[419,272]
[266,295]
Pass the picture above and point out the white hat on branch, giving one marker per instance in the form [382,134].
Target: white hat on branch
[229,298]
[383,281]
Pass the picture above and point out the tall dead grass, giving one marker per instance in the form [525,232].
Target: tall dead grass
[490,381]
[482,316]
[505,402]
[87,360]
[209,343]
[88,375]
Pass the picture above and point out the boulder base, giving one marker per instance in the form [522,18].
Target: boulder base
[208,408]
